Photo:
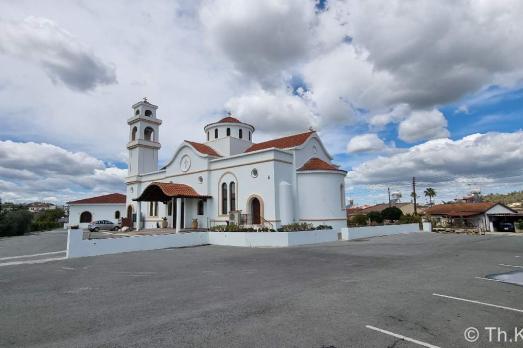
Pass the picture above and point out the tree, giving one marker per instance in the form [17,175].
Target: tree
[375,216]
[15,223]
[391,213]
[359,220]
[430,192]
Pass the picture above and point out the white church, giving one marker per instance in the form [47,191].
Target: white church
[228,178]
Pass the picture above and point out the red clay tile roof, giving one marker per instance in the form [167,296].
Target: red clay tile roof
[318,164]
[158,191]
[112,198]
[202,148]
[460,209]
[282,143]
[229,119]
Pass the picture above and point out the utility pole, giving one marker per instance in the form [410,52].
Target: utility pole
[414,194]
[388,190]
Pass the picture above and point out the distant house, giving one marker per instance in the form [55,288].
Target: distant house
[353,211]
[406,208]
[107,207]
[36,207]
[486,216]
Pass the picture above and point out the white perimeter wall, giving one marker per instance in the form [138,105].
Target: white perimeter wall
[375,231]
[78,247]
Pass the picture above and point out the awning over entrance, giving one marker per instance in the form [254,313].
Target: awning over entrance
[165,191]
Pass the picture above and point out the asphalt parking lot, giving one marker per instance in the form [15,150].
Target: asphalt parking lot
[399,291]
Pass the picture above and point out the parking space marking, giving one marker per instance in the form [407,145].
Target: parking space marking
[515,266]
[30,262]
[492,280]
[405,338]
[32,255]
[479,302]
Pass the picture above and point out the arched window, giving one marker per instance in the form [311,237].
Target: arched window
[249,135]
[216,133]
[200,207]
[148,113]
[240,134]
[228,132]
[117,214]
[137,112]
[86,217]
[153,208]
[232,189]
[148,134]
[208,136]
[224,198]
[133,133]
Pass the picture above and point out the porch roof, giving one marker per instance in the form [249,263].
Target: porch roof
[165,191]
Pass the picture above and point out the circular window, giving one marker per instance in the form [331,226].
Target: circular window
[185,163]
[254,173]
[200,179]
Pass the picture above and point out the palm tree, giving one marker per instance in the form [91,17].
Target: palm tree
[430,192]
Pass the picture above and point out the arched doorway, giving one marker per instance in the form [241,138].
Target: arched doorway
[130,212]
[86,217]
[256,211]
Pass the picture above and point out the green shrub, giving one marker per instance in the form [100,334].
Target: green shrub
[519,224]
[410,219]
[15,223]
[358,220]
[391,213]
[375,216]
[297,226]
[324,227]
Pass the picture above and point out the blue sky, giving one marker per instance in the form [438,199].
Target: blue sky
[392,96]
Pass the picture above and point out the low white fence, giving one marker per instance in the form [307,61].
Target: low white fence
[272,239]
[349,233]
[78,247]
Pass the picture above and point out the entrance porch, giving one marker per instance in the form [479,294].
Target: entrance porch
[181,203]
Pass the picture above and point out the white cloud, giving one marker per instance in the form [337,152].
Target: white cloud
[58,52]
[491,157]
[423,125]
[35,171]
[279,112]
[261,38]
[365,143]
[395,115]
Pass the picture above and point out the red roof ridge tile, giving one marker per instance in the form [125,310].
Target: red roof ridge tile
[315,163]
[202,148]
[286,142]
[111,198]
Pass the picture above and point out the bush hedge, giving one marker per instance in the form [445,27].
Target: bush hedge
[15,222]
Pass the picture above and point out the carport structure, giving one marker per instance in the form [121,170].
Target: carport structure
[497,219]
[165,193]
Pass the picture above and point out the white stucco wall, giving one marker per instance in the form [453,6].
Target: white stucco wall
[320,198]
[349,233]
[98,212]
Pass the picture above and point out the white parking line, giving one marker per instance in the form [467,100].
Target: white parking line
[30,262]
[515,266]
[405,338]
[481,303]
[492,280]
[32,255]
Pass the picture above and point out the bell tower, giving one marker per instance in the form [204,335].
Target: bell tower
[144,138]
